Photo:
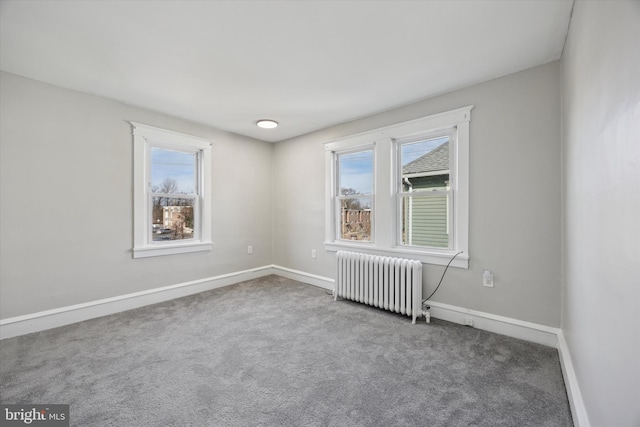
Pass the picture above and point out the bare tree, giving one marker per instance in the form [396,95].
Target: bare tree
[178,226]
[187,212]
[350,204]
[168,185]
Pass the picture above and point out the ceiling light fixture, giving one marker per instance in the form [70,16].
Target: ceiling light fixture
[267,124]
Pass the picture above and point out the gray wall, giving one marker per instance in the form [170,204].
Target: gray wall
[601,212]
[514,204]
[66,198]
[66,201]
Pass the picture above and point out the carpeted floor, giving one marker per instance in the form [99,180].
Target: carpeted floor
[276,352]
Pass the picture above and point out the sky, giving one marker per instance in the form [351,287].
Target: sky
[174,164]
[356,169]
[413,150]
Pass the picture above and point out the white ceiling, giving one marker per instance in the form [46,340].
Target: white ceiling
[308,64]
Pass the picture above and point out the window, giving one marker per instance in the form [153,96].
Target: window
[354,195]
[415,177]
[172,206]
[424,192]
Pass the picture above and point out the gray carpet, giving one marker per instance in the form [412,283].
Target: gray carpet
[275,352]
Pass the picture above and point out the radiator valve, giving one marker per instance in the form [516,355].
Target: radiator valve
[427,315]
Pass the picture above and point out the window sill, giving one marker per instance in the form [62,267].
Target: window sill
[171,249]
[426,257]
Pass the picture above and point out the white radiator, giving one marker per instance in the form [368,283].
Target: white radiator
[394,284]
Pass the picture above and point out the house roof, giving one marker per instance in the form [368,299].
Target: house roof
[435,160]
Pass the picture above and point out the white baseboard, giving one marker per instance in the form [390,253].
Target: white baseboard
[508,326]
[578,409]
[528,331]
[533,332]
[49,319]
[35,322]
[301,276]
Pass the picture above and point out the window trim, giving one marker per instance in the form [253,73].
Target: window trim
[337,196]
[385,184]
[145,137]
[450,133]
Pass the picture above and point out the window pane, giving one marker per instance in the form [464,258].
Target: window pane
[172,218]
[172,171]
[355,219]
[425,164]
[425,168]
[355,173]
[425,220]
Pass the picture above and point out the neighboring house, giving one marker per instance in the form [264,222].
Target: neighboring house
[174,220]
[172,216]
[426,218]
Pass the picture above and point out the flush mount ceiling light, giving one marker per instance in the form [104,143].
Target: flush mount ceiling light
[267,124]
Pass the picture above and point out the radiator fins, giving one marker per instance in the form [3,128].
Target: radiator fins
[393,284]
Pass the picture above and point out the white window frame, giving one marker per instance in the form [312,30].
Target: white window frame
[400,195]
[387,171]
[337,196]
[144,139]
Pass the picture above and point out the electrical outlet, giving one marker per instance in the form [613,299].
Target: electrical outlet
[487,279]
[313,253]
[250,249]
[468,321]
